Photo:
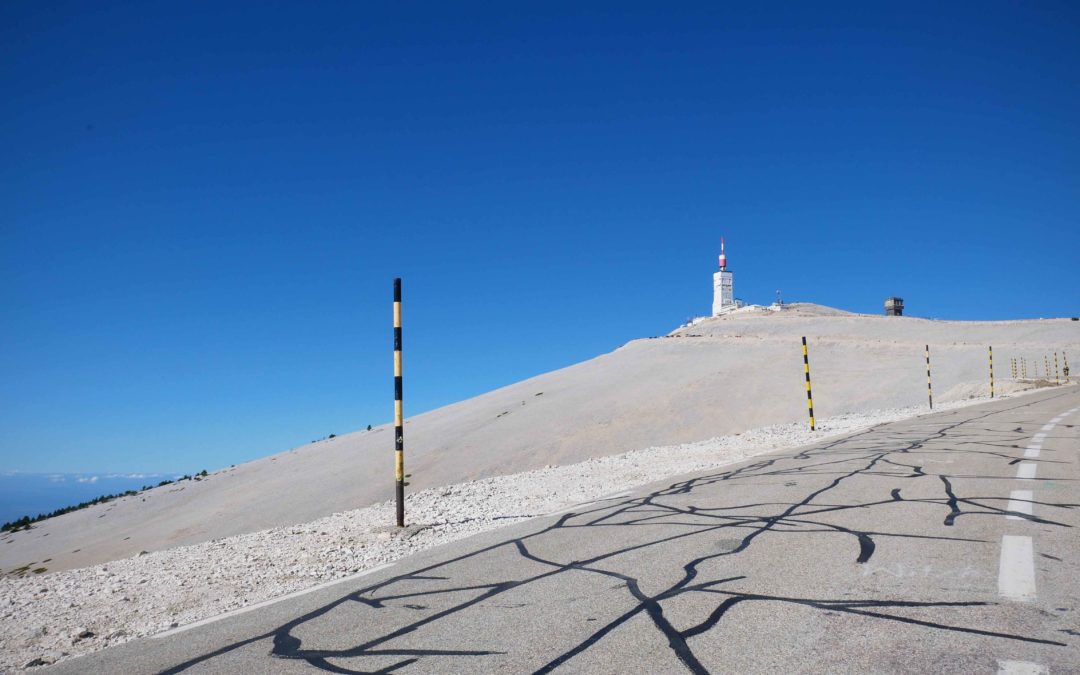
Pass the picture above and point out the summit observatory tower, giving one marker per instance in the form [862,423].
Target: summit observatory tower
[723,299]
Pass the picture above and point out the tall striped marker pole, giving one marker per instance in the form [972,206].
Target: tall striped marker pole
[1057,380]
[1066,357]
[929,389]
[991,372]
[1023,367]
[806,369]
[1012,368]
[1046,366]
[399,417]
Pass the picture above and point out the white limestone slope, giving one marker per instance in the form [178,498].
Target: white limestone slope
[721,376]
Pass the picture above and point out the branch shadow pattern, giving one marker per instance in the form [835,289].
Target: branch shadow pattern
[874,452]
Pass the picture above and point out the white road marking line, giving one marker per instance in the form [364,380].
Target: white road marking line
[271,601]
[1021,668]
[1026,470]
[1047,427]
[1019,502]
[1038,438]
[1032,451]
[1016,572]
[1056,420]
[591,502]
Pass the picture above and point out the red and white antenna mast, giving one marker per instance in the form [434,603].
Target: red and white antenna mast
[723,257]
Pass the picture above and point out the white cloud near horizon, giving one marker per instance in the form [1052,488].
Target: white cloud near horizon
[134,475]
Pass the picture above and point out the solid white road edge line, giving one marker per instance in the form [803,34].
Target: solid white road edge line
[1019,502]
[1026,470]
[590,502]
[1032,451]
[271,601]
[1016,572]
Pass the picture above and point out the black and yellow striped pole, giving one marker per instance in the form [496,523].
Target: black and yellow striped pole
[1023,367]
[1046,367]
[929,389]
[399,416]
[1057,380]
[806,369]
[991,372]
[1066,370]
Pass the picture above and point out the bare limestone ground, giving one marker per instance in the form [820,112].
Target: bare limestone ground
[57,616]
[718,377]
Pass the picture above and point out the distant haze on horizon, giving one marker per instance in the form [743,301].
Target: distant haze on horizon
[205,204]
[32,494]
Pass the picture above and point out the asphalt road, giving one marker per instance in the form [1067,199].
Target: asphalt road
[946,543]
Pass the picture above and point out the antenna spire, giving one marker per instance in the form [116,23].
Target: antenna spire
[723,256]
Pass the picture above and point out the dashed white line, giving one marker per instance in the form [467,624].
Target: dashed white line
[1016,572]
[1021,668]
[1019,502]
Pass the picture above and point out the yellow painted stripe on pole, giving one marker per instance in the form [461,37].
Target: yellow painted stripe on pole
[397,314]
[929,382]
[397,364]
[399,465]
[806,375]
[398,417]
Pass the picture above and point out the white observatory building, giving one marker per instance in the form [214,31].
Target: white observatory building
[723,287]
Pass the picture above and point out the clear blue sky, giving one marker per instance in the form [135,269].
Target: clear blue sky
[203,205]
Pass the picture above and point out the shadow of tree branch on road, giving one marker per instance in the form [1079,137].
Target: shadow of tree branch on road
[662,522]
